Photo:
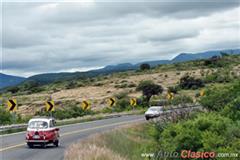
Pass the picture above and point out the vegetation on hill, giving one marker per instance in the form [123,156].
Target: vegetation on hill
[216,131]
[188,79]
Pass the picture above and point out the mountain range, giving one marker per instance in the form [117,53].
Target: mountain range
[7,80]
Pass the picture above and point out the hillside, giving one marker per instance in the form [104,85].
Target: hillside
[8,80]
[109,69]
[97,89]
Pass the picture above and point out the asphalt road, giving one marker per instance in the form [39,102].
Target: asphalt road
[13,146]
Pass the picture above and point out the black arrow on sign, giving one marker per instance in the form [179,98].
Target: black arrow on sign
[51,106]
[133,102]
[13,105]
[86,104]
[112,101]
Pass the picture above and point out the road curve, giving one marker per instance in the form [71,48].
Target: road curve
[13,147]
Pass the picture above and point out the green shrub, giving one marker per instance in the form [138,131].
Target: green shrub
[145,66]
[132,85]
[124,85]
[232,110]
[218,97]
[5,117]
[206,132]
[122,104]
[121,95]
[13,89]
[187,82]
[183,99]
[218,77]
[174,89]
[71,85]
[71,111]
[10,118]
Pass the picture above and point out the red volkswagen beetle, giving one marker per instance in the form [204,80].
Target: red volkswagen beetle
[42,131]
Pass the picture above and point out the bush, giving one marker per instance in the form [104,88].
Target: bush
[5,117]
[13,89]
[218,97]
[71,111]
[9,118]
[145,66]
[174,89]
[121,105]
[232,110]
[213,62]
[217,77]
[206,132]
[183,99]
[72,84]
[121,95]
[187,82]
[132,85]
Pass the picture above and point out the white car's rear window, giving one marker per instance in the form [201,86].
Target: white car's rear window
[153,109]
[38,125]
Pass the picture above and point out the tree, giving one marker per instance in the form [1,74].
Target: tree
[144,66]
[30,84]
[223,54]
[187,82]
[13,89]
[149,89]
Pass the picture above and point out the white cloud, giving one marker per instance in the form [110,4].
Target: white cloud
[54,37]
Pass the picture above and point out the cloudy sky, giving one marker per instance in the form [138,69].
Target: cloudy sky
[58,36]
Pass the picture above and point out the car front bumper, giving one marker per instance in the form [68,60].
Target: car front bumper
[37,141]
[151,115]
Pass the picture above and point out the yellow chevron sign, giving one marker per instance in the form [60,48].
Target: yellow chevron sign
[202,93]
[50,106]
[85,105]
[12,105]
[133,101]
[170,96]
[111,102]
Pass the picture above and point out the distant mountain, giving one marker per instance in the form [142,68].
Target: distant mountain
[119,67]
[8,80]
[183,57]
[51,77]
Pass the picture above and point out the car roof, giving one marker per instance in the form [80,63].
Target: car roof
[47,119]
[156,107]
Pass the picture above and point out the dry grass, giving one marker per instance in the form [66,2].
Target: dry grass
[93,148]
[119,144]
[90,152]
[97,94]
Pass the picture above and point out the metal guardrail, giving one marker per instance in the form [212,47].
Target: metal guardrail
[174,114]
[22,126]
[13,126]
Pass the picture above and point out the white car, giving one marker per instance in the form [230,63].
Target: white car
[153,111]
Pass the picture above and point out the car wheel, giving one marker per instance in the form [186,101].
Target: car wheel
[147,118]
[30,145]
[56,143]
[43,145]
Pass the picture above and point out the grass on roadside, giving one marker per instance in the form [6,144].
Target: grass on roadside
[127,142]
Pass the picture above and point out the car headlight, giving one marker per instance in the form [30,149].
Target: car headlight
[27,136]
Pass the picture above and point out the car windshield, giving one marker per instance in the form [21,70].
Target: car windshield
[153,109]
[38,125]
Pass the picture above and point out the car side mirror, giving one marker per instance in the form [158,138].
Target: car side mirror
[57,129]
